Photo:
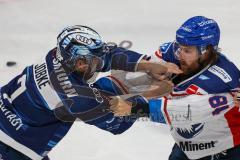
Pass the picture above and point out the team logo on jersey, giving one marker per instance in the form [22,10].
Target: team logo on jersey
[221,73]
[191,131]
[203,77]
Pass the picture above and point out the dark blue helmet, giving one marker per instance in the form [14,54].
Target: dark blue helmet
[198,31]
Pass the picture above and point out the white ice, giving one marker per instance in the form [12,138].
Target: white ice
[28,29]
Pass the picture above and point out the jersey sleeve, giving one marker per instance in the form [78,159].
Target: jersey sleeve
[116,125]
[165,52]
[235,74]
[122,59]
[227,75]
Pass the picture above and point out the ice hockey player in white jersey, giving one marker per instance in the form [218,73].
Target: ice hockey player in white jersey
[199,116]
[201,124]
[205,71]
[38,106]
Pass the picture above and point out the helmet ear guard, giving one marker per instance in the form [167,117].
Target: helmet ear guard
[202,49]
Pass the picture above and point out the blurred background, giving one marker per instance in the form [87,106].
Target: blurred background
[28,30]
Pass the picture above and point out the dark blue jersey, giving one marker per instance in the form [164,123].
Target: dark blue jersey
[38,107]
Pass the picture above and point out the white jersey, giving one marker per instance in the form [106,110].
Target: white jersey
[201,125]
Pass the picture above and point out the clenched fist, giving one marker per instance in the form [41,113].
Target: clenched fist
[120,107]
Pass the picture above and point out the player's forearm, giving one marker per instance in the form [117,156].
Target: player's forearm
[158,70]
[145,65]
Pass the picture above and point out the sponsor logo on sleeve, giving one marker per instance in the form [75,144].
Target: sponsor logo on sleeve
[221,73]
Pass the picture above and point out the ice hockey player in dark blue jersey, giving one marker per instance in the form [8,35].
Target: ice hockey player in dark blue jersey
[205,71]
[38,107]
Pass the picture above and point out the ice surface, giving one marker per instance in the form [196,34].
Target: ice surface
[28,29]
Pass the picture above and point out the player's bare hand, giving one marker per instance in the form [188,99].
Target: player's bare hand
[160,71]
[120,107]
